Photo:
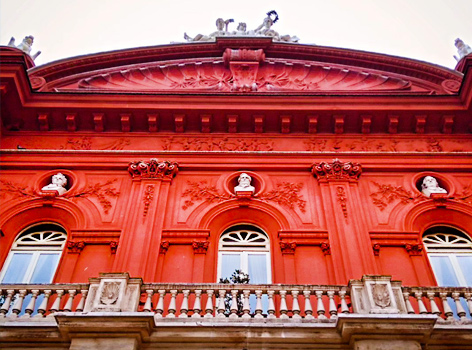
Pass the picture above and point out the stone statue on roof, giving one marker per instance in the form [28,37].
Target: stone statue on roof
[462,49]
[222,30]
[265,30]
[25,45]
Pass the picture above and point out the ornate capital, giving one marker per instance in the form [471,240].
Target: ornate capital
[336,171]
[75,247]
[200,247]
[164,247]
[325,248]
[154,169]
[414,249]
[288,248]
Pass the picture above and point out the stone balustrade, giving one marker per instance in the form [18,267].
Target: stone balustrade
[304,303]
[37,301]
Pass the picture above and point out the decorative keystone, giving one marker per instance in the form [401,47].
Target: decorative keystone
[337,171]
[154,169]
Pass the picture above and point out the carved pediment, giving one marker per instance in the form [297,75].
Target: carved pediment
[273,75]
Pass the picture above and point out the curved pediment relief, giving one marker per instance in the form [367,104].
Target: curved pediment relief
[270,76]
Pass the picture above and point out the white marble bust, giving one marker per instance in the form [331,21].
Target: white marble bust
[59,181]
[244,184]
[430,185]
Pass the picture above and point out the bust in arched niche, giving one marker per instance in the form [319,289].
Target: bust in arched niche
[58,183]
[244,181]
[430,185]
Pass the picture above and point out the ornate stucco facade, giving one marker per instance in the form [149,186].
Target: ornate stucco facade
[152,142]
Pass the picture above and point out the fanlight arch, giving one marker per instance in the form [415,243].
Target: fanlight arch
[450,253]
[35,254]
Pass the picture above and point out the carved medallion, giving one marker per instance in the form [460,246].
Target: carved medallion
[381,295]
[110,293]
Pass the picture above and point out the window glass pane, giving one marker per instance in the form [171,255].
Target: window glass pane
[45,268]
[444,271]
[465,262]
[17,268]
[229,263]
[257,266]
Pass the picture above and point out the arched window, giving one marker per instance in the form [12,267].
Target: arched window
[34,255]
[450,253]
[246,248]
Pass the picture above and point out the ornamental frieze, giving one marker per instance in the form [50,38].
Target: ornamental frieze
[153,169]
[235,143]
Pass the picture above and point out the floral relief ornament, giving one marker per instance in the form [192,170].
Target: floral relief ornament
[285,194]
[101,191]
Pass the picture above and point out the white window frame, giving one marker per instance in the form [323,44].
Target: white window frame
[245,251]
[36,249]
[452,246]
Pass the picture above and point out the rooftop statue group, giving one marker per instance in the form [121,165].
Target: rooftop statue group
[25,46]
[462,49]
[265,29]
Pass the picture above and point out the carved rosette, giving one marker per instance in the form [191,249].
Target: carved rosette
[337,171]
[154,169]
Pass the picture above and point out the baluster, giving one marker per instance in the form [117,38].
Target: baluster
[6,305]
[221,303]
[447,309]
[197,305]
[459,307]
[30,307]
[271,308]
[468,296]
[172,306]
[70,300]
[295,305]
[83,297]
[421,307]
[283,304]
[333,310]
[308,308]
[184,306]
[344,307]
[434,307]
[160,303]
[234,304]
[148,303]
[57,303]
[246,308]
[44,304]
[409,308]
[319,305]
[17,306]
[209,304]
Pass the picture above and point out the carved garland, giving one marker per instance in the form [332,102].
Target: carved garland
[285,194]
[342,200]
[101,191]
[147,198]
[386,194]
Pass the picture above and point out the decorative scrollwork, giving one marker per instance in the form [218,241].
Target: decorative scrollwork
[102,191]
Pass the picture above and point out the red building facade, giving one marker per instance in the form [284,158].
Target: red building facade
[152,142]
